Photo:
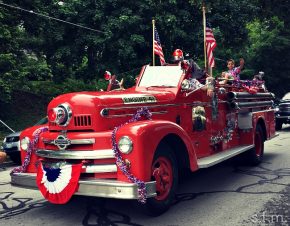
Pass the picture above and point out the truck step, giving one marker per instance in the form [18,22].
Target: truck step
[222,156]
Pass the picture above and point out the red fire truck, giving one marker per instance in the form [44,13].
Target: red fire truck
[136,143]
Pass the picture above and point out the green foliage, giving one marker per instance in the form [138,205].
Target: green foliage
[66,58]
[268,51]
[51,89]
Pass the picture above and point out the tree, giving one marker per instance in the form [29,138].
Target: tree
[125,38]
[268,50]
[269,44]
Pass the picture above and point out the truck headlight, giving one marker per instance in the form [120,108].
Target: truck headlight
[24,143]
[125,145]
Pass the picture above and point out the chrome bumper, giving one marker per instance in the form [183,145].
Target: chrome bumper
[92,187]
[283,117]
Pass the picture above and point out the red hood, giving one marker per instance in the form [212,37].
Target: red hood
[87,106]
[112,98]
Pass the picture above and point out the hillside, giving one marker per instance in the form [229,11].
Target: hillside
[24,110]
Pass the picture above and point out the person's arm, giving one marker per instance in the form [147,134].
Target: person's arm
[121,84]
[237,70]
[242,63]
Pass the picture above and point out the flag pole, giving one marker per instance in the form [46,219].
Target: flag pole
[153,31]
[204,37]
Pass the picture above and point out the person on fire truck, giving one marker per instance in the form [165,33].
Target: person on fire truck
[114,84]
[194,73]
[233,72]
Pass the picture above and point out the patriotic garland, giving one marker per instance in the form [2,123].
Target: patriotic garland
[31,147]
[120,161]
[226,135]
[249,83]
[251,86]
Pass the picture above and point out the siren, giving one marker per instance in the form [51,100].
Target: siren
[60,115]
[107,75]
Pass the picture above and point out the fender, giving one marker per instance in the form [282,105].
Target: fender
[146,135]
[259,118]
[33,159]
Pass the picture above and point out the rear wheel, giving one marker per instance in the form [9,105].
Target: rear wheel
[164,171]
[255,155]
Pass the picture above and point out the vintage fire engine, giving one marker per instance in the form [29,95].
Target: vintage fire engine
[136,143]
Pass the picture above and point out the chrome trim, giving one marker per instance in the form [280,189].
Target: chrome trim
[255,104]
[223,102]
[68,111]
[124,115]
[151,106]
[245,95]
[108,168]
[92,187]
[263,111]
[139,99]
[70,154]
[62,142]
[83,141]
[222,156]
[245,120]
[148,106]
[74,141]
[286,117]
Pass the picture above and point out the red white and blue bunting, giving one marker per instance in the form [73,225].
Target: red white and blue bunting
[58,182]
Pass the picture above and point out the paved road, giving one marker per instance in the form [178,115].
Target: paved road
[225,194]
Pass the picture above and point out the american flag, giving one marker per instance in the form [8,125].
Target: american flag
[157,47]
[210,45]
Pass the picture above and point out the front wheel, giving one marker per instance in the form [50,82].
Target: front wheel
[164,171]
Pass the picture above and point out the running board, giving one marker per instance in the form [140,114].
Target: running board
[222,156]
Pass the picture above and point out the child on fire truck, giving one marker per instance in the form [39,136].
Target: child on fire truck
[233,72]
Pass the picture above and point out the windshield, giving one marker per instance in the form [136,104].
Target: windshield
[161,76]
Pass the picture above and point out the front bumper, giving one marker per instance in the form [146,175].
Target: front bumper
[10,148]
[92,187]
[283,117]
[11,151]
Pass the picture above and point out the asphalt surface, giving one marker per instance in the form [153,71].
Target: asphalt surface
[226,194]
